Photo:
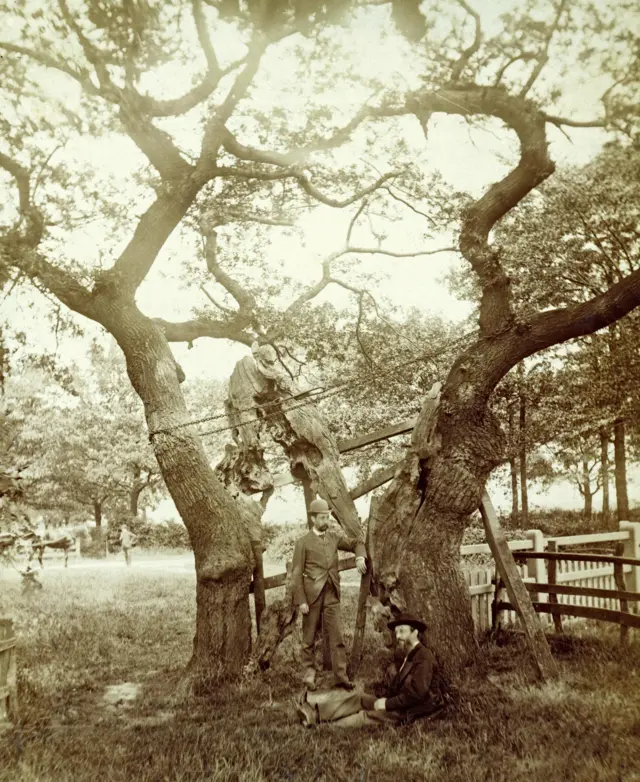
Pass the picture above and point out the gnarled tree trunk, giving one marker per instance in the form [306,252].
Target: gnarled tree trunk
[217,525]
[417,530]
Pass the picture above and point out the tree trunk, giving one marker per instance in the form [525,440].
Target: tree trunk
[604,474]
[513,469]
[620,460]
[97,513]
[416,531]
[217,525]
[523,446]
[586,490]
[515,505]
[136,491]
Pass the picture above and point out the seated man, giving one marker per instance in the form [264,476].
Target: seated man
[408,698]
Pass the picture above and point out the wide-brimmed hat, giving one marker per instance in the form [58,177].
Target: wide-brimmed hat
[407,619]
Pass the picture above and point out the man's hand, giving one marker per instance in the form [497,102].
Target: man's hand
[361,565]
[304,607]
[380,704]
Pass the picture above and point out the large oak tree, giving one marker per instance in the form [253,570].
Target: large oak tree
[260,133]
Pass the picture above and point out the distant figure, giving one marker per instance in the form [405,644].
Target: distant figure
[127,541]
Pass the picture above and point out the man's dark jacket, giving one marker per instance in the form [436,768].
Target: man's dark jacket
[315,561]
[409,691]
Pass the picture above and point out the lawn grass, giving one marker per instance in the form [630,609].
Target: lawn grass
[89,629]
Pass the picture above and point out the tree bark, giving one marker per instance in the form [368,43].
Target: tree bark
[217,525]
[513,469]
[586,490]
[620,462]
[97,513]
[515,505]
[522,417]
[417,529]
[136,491]
[604,473]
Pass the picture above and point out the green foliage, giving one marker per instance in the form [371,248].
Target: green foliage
[81,440]
[167,534]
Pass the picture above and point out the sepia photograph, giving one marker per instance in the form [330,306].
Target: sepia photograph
[319,391]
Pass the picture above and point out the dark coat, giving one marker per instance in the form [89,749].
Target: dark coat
[409,691]
[315,561]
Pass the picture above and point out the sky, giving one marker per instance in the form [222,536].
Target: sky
[468,159]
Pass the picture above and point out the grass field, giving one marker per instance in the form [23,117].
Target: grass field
[90,630]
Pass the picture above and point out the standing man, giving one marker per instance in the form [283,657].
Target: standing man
[316,589]
[127,541]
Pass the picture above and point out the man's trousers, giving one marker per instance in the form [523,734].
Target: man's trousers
[351,710]
[326,609]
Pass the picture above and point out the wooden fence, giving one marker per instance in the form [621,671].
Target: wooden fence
[8,672]
[600,585]
[594,574]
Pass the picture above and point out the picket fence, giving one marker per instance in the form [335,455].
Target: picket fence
[583,574]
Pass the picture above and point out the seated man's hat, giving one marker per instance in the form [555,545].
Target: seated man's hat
[407,619]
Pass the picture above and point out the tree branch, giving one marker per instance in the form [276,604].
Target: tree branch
[245,300]
[296,157]
[153,229]
[408,204]
[556,326]
[154,143]
[524,56]
[394,254]
[91,52]
[81,77]
[215,131]
[63,285]
[21,175]
[214,71]
[313,191]
[534,166]
[543,56]
[570,123]
[190,330]
[468,53]
[216,304]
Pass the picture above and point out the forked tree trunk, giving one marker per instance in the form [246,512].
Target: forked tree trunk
[215,522]
[620,459]
[417,529]
[604,473]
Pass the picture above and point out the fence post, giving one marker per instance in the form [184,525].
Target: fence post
[535,567]
[8,672]
[632,549]
[618,575]
[553,579]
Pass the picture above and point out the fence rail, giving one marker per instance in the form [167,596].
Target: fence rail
[571,583]
[578,579]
